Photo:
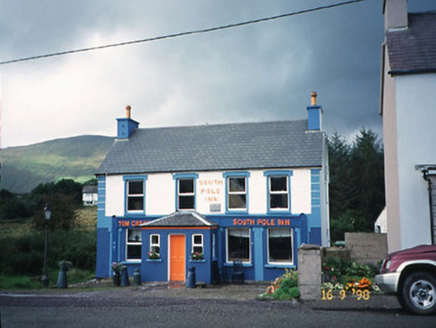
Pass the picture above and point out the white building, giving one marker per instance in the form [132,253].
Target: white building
[408,107]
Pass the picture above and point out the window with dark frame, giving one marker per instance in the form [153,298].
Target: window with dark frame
[278,193]
[135,195]
[280,245]
[186,194]
[238,245]
[237,193]
[133,244]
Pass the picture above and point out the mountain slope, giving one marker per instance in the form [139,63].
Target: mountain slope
[24,167]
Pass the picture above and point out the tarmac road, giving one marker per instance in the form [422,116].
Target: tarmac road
[137,308]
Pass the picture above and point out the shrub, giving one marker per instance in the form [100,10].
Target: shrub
[284,287]
[25,254]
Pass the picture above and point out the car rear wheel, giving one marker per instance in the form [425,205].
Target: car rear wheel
[418,293]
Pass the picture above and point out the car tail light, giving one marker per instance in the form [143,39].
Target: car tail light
[385,265]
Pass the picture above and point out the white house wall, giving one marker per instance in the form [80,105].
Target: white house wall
[416,117]
[114,195]
[160,194]
[210,189]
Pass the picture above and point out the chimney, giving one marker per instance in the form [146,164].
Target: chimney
[395,12]
[314,115]
[126,125]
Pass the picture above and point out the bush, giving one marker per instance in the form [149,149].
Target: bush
[284,287]
[25,254]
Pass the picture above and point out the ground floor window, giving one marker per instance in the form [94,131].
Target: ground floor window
[197,244]
[154,246]
[238,245]
[133,244]
[280,245]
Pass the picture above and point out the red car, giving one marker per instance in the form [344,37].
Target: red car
[411,274]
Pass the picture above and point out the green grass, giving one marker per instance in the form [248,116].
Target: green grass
[21,282]
[21,252]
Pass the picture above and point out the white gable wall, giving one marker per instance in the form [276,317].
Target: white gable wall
[416,136]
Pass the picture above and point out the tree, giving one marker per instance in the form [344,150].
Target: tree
[63,196]
[12,206]
[356,182]
[367,180]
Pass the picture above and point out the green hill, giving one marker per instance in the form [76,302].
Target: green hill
[24,167]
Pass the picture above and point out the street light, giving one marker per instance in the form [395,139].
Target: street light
[47,212]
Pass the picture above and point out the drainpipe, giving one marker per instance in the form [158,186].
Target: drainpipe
[430,199]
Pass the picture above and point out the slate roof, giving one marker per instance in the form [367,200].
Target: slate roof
[413,50]
[89,189]
[181,219]
[283,144]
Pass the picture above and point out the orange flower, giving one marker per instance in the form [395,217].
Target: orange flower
[364,283]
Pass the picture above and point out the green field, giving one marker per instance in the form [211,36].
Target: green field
[22,255]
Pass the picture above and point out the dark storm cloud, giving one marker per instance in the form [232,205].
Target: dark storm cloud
[259,72]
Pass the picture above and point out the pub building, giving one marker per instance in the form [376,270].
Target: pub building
[205,196]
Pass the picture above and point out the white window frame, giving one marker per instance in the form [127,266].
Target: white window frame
[154,244]
[230,193]
[197,244]
[135,195]
[185,194]
[133,243]
[278,192]
[249,244]
[292,247]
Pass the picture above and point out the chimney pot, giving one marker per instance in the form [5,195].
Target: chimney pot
[313,98]
[128,108]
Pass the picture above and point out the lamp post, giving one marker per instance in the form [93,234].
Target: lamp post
[47,212]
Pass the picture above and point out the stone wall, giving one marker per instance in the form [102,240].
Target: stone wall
[309,272]
[366,248]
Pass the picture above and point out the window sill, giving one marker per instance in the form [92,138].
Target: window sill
[280,266]
[275,212]
[244,264]
[198,261]
[153,260]
[127,262]
[134,214]
[237,212]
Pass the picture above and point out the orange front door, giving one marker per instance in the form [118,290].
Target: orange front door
[177,258]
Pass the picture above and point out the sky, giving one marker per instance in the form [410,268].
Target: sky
[259,72]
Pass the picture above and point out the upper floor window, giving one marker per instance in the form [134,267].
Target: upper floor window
[133,244]
[278,190]
[135,195]
[237,191]
[185,191]
[186,194]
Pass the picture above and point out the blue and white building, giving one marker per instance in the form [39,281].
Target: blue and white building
[204,196]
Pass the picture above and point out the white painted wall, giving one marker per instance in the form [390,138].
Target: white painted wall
[160,197]
[114,195]
[301,192]
[416,136]
[210,189]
